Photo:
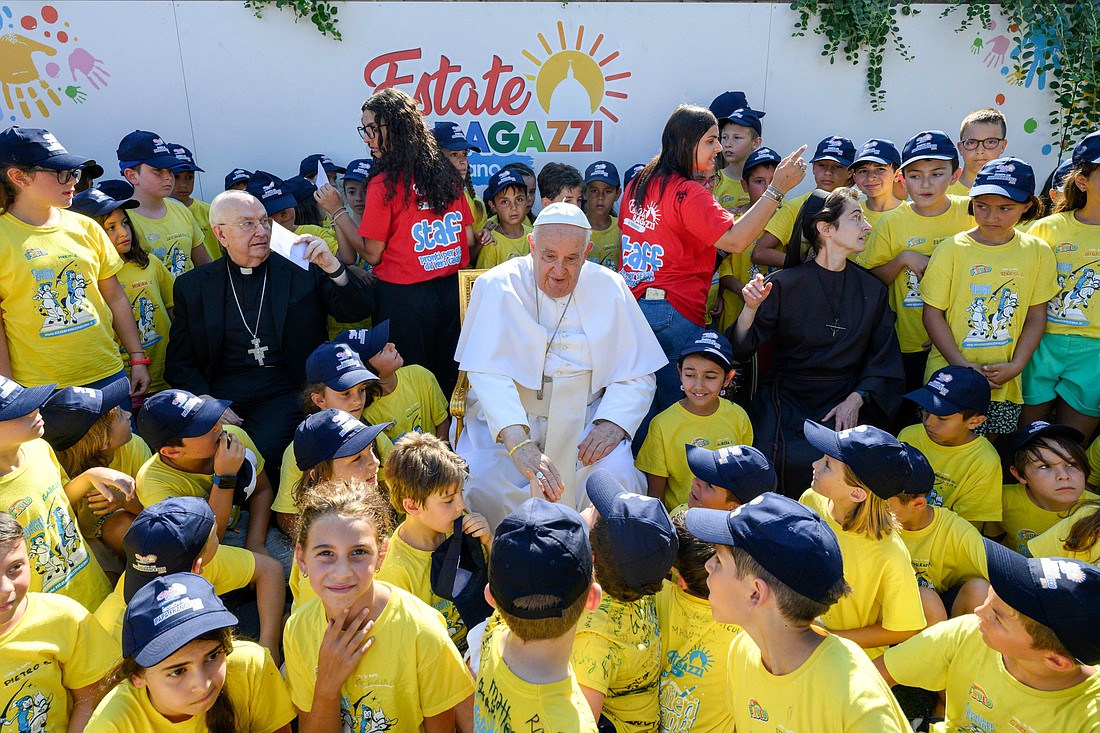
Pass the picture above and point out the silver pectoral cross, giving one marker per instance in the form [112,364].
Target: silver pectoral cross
[539,391]
[258,351]
[835,326]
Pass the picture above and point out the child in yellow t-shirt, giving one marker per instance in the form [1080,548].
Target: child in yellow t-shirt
[985,291]
[1024,661]
[702,418]
[164,226]
[456,149]
[506,197]
[540,582]
[694,647]
[182,188]
[777,566]
[981,139]
[601,190]
[182,669]
[947,552]
[728,477]
[410,396]
[329,668]
[1059,382]
[740,129]
[874,172]
[1075,536]
[902,240]
[967,466]
[53,654]
[1049,464]
[424,479]
[861,469]
[617,650]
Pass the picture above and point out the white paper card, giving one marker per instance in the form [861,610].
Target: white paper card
[322,177]
[284,244]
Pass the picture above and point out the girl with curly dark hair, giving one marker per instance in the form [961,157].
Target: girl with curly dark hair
[417,230]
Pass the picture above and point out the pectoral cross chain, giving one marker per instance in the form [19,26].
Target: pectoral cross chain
[258,351]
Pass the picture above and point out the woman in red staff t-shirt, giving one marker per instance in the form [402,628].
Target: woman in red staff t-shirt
[671,225]
[417,230]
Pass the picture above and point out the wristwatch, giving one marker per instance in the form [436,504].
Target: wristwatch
[228,483]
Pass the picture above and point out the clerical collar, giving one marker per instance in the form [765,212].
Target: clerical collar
[246,271]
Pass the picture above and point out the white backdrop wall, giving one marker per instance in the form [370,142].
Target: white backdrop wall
[529,81]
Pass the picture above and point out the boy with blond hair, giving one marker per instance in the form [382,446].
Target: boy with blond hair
[981,139]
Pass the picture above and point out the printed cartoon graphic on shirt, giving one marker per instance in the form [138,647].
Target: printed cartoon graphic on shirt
[365,715]
[641,260]
[991,313]
[27,709]
[144,308]
[53,542]
[62,314]
[1075,291]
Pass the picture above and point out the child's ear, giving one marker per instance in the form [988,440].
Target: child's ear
[169,451]
[1059,662]
[130,175]
[955,175]
[1016,475]
[595,597]
[1081,182]
[318,398]
[300,559]
[546,202]
[383,550]
[858,494]
[196,567]
[729,377]
[975,422]
[679,580]
[137,680]
[489,597]
[410,506]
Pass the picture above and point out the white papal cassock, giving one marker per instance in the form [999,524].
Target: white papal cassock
[598,356]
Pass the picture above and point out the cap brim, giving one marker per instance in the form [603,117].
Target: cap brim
[333,168]
[379,337]
[873,159]
[1018,439]
[461,146]
[282,203]
[1010,576]
[355,177]
[361,440]
[836,158]
[91,169]
[933,403]
[601,179]
[1018,195]
[29,400]
[67,162]
[206,417]
[709,525]
[702,465]
[174,639]
[347,380]
[161,161]
[103,208]
[690,350]
[603,489]
[825,440]
[185,167]
[945,158]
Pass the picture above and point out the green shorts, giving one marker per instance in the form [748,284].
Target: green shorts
[1065,366]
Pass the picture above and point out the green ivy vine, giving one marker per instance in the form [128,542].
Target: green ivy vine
[321,13]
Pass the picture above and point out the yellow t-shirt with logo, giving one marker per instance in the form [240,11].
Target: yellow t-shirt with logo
[157,481]
[617,651]
[504,248]
[663,452]
[149,292]
[607,246]
[230,568]
[252,682]
[200,210]
[410,569]
[981,694]
[730,193]
[57,324]
[416,674]
[1075,310]
[1052,543]
[477,208]
[129,459]
[985,293]
[57,646]
[884,587]
[171,237]
[947,552]
[694,655]
[781,225]
[504,702]
[904,229]
[60,561]
[417,404]
[968,476]
[1022,520]
[836,689]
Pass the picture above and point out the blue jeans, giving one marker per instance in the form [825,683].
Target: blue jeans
[673,332]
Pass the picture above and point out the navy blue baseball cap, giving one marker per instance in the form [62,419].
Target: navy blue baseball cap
[174,414]
[712,343]
[1059,593]
[787,539]
[165,538]
[953,389]
[235,176]
[739,469]
[632,172]
[836,148]
[875,456]
[923,478]
[450,136]
[603,171]
[878,151]
[17,400]
[271,191]
[540,549]
[643,540]
[763,155]
[1058,180]
[308,166]
[330,434]
[726,103]
[186,160]
[1088,150]
[301,188]
[338,366]
[1009,177]
[141,146]
[1038,429]
[929,145]
[501,180]
[97,202]
[746,117]
[367,342]
[359,169]
[71,411]
[168,613]
[33,146]
[116,188]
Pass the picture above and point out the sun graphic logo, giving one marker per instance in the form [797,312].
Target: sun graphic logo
[33,86]
[571,82]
